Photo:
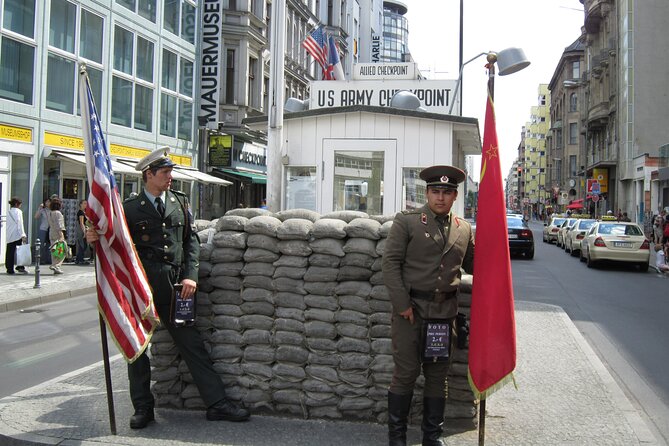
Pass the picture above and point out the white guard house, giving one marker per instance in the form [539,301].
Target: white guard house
[367,158]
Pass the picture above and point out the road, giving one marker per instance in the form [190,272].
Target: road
[47,341]
[621,312]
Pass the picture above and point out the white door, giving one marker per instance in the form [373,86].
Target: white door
[4,207]
[359,175]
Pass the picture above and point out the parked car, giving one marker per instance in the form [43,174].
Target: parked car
[551,229]
[562,230]
[618,241]
[521,240]
[572,240]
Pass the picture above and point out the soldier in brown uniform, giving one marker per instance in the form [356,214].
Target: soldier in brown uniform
[422,262]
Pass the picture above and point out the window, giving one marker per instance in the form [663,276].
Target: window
[252,88]
[145,8]
[301,187]
[60,78]
[558,139]
[19,17]
[573,132]
[230,77]
[176,72]
[17,57]
[179,18]
[415,189]
[572,165]
[576,69]
[62,25]
[573,102]
[132,81]
[90,42]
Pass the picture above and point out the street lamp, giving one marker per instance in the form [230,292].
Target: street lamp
[508,60]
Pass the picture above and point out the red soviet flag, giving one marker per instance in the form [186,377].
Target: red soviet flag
[492,338]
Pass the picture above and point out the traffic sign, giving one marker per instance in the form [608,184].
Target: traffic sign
[595,198]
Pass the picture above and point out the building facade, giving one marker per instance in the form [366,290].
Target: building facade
[140,58]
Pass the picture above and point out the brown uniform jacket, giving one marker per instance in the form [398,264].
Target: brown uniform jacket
[417,257]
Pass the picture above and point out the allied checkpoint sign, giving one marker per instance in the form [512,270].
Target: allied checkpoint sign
[435,95]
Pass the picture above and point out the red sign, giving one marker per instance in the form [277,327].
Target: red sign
[593,186]
[595,198]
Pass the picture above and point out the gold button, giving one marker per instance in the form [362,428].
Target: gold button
[437,290]
[439,278]
[163,225]
[164,235]
[165,258]
[165,247]
[441,266]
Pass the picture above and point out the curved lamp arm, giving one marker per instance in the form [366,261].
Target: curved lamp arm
[457,85]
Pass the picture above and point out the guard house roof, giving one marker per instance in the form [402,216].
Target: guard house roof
[465,130]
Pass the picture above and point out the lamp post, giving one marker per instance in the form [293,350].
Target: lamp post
[509,61]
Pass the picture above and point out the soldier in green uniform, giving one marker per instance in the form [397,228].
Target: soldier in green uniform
[159,222]
[422,262]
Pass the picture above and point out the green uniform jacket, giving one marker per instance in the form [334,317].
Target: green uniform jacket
[165,240]
[416,257]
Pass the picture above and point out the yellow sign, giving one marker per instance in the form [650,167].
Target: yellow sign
[602,177]
[75,143]
[16,133]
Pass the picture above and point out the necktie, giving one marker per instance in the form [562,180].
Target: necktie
[160,207]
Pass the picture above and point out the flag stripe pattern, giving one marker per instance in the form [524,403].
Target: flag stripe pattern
[492,336]
[316,44]
[125,299]
[334,70]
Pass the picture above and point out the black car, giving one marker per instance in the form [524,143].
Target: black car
[521,240]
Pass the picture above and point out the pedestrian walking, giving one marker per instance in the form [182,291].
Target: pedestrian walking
[662,255]
[160,224]
[421,269]
[80,233]
[16,235]
[58,246]
[658,221]
[42,215]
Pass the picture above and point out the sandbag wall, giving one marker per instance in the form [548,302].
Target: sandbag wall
[297,320]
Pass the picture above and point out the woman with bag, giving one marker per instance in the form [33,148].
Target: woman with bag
[57,236]
[42,215]
[16,235]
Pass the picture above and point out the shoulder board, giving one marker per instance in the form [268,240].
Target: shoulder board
[129,199]
[411,212]
[178,192]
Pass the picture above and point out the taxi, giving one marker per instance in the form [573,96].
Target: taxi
[617,241]
[551,229]
[573,237]
[562,230]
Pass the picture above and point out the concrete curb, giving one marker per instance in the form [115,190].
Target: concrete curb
[27,302]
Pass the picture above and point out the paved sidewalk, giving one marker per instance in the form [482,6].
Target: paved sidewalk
[565,396]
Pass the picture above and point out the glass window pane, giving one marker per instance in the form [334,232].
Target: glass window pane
[144,59]
[171,22]
[301,188]
[188,23]
[17,62]
[121,101]
[168,115]
[20,184]
[90,43]
[62,25]
[95,80]
[19,16]
[358,181]
[169,80]
[60,84]
[143,108]
[185,120]
[147,9]
[130,4]
[186,78]
[123,50]
[414,189]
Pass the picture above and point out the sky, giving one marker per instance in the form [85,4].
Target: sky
[542,28]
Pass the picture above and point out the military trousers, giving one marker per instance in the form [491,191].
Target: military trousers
[191,348]
[407,345]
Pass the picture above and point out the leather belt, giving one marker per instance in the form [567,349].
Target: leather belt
[432,295]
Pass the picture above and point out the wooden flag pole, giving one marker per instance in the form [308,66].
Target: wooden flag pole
[482,423]
[105,360]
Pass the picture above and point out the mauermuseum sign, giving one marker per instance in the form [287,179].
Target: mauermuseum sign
[376,71]
[435,95]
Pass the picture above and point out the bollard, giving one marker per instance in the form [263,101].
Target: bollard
[38,254]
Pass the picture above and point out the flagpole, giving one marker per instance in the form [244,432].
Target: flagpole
[103,328]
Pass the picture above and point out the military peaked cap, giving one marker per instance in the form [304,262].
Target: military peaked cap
[442,176]
[155,160]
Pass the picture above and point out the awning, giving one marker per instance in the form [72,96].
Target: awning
[257,178]
[203,177]
[575,206]
[175,174]
[117,167]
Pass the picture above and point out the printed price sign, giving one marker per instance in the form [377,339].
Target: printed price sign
[437,341]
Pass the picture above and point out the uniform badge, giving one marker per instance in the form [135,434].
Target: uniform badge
[423,218]
[444,179]
[427,235]
[172,199]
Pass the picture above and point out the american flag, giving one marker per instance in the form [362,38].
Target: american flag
[125,299]
[316,44]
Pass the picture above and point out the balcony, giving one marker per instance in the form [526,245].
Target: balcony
[598,115]
[595,11]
